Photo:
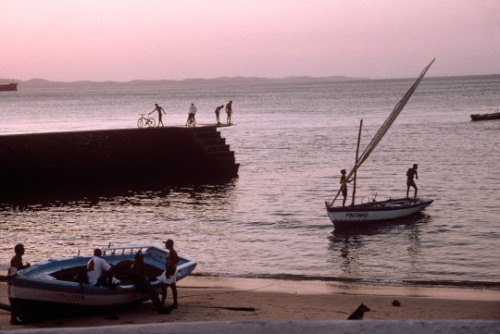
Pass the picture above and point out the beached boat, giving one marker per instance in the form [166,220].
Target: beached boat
[58,286]
[8,87]
[485,117]
[376,211]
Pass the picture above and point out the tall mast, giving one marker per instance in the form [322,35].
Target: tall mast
[356,162]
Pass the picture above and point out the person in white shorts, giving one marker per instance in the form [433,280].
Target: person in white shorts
[168,278]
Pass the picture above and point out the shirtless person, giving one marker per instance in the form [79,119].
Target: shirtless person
[168,278]
[412,172]
[344,181]
[229,111]
[160,111]
[217,113]
[16,263]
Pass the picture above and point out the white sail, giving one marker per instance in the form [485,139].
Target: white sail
[383,129]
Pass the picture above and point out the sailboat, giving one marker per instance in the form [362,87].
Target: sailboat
[374,211]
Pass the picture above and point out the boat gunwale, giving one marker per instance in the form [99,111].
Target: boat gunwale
[380,206]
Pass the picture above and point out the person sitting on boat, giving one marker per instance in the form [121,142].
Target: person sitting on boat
[412,172]
[168,278]
[343,182]
[141,282]
[99,271]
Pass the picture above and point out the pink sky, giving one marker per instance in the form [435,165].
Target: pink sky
[122,40]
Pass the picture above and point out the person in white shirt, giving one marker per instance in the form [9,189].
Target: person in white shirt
[191,113]
[99,272]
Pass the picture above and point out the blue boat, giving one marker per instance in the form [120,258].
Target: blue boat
[58,286]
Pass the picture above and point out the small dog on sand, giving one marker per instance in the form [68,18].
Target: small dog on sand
[358,314]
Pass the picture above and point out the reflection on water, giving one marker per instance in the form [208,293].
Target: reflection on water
[350,242]
[66,225]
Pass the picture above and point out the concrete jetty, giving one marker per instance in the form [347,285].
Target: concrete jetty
[113,158]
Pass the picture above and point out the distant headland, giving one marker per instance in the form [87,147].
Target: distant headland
[42,83]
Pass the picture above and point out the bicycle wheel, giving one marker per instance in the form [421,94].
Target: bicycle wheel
[151,122]
[140,122]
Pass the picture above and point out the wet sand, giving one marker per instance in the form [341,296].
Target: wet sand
[237,299]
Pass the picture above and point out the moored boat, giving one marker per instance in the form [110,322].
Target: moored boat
[8,87]
[58,286]
[485,117]
[375,211]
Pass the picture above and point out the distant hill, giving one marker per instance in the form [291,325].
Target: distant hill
[42,83]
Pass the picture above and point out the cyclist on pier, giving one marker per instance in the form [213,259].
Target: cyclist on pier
[191,115]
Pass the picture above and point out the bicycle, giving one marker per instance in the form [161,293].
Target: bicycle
[145,121]
[191,121]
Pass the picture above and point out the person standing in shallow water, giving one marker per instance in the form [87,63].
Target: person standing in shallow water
[160,111]
[410,174]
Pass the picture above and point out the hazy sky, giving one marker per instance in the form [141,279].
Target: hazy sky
[122,40]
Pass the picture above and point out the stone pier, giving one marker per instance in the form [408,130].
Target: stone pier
[113,158]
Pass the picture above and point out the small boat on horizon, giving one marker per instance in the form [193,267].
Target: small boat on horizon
[376,211]
[485,117]
[8,87]
[58,287]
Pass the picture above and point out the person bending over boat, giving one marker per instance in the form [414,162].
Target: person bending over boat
[343,182]
[410,174]
[99,272]
[141,282]
[16,263]
[168,278]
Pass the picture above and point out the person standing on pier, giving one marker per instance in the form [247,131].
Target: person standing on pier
[160,111]
[191,115]
[412,172]
[217,113]
[229,111]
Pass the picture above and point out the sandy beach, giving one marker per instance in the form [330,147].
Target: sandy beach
[238,299]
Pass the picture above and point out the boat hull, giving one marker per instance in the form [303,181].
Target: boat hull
[376,211]
[8,87]
[485,117]
[55,287]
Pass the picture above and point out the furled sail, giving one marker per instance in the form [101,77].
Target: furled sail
[384,128]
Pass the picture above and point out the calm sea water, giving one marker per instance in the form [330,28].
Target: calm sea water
[291,141]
